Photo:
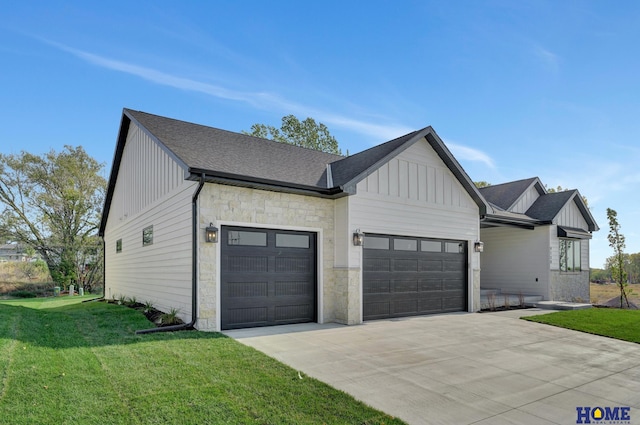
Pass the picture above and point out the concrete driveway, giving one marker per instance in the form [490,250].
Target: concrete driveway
[465,368]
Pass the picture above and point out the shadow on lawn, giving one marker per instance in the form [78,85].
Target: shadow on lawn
[91,324]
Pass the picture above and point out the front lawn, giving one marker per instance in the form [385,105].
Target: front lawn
[611,322]
[66,362]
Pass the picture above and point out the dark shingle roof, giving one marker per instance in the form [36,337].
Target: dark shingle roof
[349,168]
[547,207]
[210,149]
[506,194]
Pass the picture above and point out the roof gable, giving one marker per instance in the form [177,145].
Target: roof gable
[349,171]
[547,207]
[506,195]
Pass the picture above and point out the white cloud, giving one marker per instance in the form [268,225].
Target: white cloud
[261,100]
[470,154]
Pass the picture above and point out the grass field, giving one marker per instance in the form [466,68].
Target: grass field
[603,293]
[611,322]
[66,362]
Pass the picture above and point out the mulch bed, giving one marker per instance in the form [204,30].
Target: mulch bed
[152,314]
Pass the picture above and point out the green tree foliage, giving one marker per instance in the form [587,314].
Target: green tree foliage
[52,203]
[482,184]
[562,189]
[307,134]
[617,266]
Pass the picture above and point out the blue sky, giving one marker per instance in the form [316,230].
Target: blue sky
[516,89]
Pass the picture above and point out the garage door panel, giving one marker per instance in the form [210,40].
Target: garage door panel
[293,264]
[245,264]
[405,286]
[268,277]
[377,264]
[424,276]
[405,265]
[377,310]
[405,307]
[247,289]
[430,285]
[286,288]
[431,265]
[378,286]
[430,305]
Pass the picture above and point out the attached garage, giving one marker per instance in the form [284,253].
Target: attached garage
[268,277]
[405,276]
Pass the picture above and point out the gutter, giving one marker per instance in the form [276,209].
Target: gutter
[194,270]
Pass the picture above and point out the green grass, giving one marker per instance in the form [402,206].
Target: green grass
[611,322]
[66,362]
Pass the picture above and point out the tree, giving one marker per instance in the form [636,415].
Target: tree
[52,204]
[307,134]
[482,184]
[617,242]
[561,189]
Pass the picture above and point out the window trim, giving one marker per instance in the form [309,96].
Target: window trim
[563,265]
[147,236]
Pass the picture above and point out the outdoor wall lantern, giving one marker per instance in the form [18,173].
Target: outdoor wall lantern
[478,246]
[211,233]
[358,238]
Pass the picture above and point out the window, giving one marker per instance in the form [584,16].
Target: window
[284,240]
[119,245]
[570,255]
[405,245]
[431,246]
[373,242]
[454,247]
[239,237]
[147,236]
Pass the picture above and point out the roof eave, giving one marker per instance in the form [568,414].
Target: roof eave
[445,155]
[264,184]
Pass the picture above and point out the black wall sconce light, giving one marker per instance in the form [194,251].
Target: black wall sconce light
[211,234]
[478,246]
[358,238]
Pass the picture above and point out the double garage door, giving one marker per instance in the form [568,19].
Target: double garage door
[268,277]
[405,276]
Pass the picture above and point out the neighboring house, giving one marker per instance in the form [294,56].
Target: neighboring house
[12,252]
[288,223]
[236,231]
[536,243]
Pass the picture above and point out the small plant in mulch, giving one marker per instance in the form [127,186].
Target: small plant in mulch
[157,317]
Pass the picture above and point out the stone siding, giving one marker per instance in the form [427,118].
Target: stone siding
[571,287]
[249,207]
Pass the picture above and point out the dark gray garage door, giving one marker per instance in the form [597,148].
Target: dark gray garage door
[268,277]
[405,276]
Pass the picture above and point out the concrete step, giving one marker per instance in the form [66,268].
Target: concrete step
[493,300]
[561,305]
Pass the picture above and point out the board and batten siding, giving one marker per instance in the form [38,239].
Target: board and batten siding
[150,191]
[526,200]
[571,216]
[414,194]
[514,258]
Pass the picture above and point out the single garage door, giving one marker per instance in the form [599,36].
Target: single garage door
[268,277]
[404,276]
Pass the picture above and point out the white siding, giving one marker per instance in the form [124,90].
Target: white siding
[414,194]
[148,173]
[526,200]
[514,258]
[571,216]
[150,190]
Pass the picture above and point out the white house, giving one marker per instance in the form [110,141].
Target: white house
[535,242]
[236,231]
